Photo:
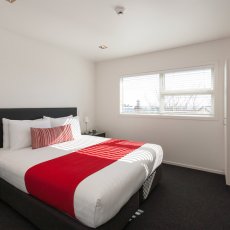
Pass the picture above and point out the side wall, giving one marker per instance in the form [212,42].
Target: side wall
[190,142]
[227,170]
[36,74]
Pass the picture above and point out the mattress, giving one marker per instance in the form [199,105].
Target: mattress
[101,195]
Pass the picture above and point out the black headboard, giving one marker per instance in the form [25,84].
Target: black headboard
[33,113]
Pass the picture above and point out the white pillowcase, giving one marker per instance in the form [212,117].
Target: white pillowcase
[19,131]
[6,135]
[74,121]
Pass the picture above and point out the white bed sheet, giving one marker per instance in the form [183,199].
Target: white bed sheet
[100,196]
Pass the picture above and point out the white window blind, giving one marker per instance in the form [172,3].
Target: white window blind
[184,92]
[140,94]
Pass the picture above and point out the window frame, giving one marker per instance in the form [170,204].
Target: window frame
[167,114]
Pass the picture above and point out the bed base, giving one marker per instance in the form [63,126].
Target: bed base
[45,217]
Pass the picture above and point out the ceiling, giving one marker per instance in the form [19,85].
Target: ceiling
[146,26]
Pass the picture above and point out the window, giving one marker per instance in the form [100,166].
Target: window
[185,92]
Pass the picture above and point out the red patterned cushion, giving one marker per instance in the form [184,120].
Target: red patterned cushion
[49,136]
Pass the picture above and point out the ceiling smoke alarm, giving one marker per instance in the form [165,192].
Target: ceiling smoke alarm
[119,10]
[103,47]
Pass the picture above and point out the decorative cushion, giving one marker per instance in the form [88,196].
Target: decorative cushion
[49,136]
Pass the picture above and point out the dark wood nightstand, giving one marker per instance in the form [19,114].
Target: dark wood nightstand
[97,134]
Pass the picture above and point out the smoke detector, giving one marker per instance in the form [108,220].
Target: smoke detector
[103,47]
[119,10]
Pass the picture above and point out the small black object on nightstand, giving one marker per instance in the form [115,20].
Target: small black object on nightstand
[95,133]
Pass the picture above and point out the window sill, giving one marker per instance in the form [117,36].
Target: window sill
[170,116]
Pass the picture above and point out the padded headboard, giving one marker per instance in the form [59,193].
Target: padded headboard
[33,113]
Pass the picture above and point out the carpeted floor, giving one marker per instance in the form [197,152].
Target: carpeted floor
[185,199]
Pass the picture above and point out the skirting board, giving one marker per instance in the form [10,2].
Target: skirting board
[194,167]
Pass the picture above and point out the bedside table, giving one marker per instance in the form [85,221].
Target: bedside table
[97,134]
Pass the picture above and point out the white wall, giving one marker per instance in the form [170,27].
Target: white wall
[228,125]
[197,143]
[36,74]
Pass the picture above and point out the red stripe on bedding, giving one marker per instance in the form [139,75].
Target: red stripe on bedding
[55,181]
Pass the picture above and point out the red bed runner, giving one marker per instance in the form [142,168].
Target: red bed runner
[55,181]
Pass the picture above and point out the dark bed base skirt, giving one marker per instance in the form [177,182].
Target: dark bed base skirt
[46,217]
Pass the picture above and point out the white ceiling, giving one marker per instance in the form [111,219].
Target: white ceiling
[146,26]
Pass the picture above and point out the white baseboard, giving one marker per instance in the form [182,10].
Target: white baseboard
[195,167]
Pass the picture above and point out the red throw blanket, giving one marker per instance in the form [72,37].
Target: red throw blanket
[55,181]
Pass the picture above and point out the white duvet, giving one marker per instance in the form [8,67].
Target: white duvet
[100,196]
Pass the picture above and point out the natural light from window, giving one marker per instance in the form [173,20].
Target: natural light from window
[186,92]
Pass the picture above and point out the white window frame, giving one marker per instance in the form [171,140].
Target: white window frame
[163,92]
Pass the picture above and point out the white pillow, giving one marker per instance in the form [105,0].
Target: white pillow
[74,121]
[45,117]
[19,131]
[6,135]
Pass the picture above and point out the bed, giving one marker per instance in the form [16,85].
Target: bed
[117,208]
